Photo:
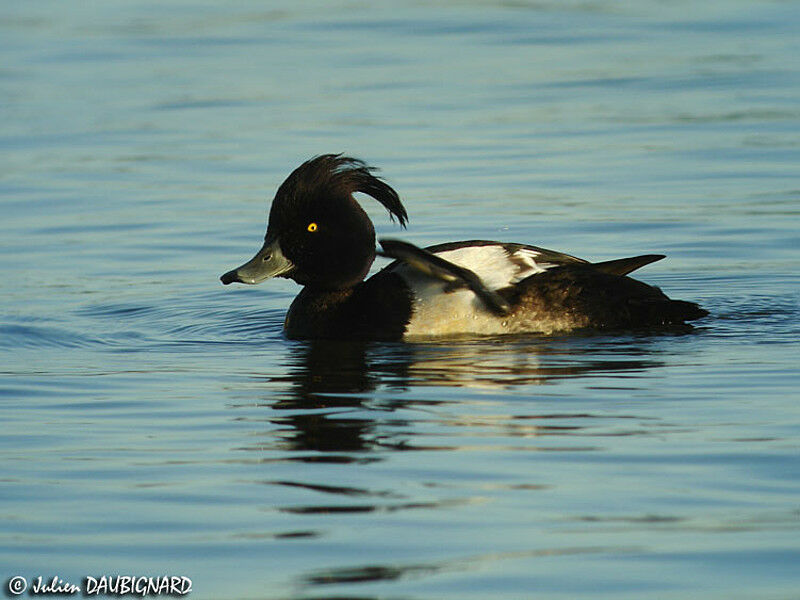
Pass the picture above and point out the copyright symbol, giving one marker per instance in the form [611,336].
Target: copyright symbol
[17,585]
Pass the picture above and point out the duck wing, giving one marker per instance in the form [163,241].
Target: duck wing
[511,263]
[456,276]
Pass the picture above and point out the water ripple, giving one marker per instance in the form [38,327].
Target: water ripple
[14,337]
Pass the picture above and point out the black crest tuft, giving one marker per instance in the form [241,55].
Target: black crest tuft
[337,174]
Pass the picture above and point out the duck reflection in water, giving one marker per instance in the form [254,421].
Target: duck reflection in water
[332,389]
[328,377]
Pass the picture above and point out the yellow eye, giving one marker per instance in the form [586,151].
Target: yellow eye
[312,227]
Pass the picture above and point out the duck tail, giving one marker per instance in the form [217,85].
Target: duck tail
[687,311]
[623,266]
[663,311]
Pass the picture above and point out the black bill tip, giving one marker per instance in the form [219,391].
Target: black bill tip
[230,277]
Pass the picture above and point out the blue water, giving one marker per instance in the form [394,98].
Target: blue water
[154,422]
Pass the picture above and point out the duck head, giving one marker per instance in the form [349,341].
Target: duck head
[317,233]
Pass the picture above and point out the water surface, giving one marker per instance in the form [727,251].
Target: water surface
[154,422]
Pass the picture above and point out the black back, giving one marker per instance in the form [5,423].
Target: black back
[603,300]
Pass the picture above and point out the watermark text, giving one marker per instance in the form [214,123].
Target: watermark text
[102,585]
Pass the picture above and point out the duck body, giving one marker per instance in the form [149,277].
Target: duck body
[319,236]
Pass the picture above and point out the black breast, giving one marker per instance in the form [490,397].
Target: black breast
[376,309]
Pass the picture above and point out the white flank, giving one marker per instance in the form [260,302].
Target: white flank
[440,312]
